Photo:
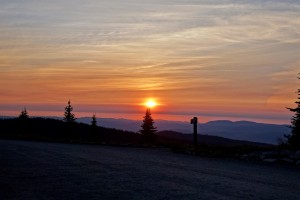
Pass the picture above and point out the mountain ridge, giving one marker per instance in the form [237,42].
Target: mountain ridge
[236,130]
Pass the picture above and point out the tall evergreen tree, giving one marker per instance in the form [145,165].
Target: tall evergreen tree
[148,130]
[69,116]
[294,137]
[24,114]
[94,129]
[94,121]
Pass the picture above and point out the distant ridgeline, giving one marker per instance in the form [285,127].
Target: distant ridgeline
[54,130]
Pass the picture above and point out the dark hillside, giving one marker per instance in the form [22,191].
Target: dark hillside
[56,130]
[44,129]
[177,137]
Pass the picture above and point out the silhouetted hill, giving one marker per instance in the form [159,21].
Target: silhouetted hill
[209,140]
[46,129]
[57,130]
[240,130]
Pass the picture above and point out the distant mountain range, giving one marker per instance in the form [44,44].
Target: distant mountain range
[240,130]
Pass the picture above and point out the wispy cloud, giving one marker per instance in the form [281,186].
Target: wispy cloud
[200,51]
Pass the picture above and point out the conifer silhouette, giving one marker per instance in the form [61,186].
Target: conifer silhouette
[69,116]
[94,121]
[148,130]
[24,114]
[294,137]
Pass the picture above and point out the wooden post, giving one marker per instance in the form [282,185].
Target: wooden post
[194,121]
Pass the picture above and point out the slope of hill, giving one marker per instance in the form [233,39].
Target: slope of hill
[240,130]
[210,140]
[43,129]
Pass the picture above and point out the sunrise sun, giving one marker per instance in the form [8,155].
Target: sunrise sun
[150,103]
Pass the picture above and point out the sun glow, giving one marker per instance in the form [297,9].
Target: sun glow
[150,103]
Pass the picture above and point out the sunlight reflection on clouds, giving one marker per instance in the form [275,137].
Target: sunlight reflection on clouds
[88,47]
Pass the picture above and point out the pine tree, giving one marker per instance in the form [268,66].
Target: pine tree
[94,121]
[294,137]
[69,116]
[23,114]
[148,130]
[94,128]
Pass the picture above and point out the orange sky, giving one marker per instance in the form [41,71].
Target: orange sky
[236,61]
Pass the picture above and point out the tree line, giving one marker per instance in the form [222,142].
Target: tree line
[149,132]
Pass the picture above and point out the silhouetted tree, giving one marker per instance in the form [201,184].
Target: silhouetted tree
[148,130]
[294,137]
[94,129]
[94,121]
[69,116]
[23,114]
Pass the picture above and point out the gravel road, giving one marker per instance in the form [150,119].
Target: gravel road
[37,170]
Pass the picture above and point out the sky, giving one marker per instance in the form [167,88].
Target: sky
[214,59]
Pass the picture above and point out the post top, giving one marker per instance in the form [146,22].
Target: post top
[194,120]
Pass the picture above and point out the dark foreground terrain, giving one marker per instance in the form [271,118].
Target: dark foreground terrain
[36,170]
